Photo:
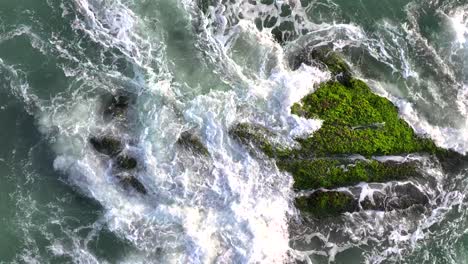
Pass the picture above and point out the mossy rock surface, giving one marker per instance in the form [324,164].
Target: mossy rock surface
[332,173]
[356,121]
[324,204]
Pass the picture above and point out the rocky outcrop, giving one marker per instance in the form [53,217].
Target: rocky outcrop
[190,141]
[107,145]
[115,108]
[325,58]
[130,182]
[356,122]
[125,162]
[397,197]
[324,204]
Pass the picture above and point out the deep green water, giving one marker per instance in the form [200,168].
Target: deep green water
[59,202]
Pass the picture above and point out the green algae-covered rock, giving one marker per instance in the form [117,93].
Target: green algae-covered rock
[322,204]
[332,173]
[356,121]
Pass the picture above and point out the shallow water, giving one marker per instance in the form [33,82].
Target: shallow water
[203,71]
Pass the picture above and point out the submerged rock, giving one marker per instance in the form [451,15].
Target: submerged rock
[126,162]
[192,142]
[452,161]
[203,5]
[116,106]
[254,136]
[107,145]
[131,182]
[406,195]
[322,203]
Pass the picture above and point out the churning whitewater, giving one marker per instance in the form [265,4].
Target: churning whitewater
[154,77]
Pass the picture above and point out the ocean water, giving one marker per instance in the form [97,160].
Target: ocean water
[203,66]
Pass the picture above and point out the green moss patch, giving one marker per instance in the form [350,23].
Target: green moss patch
[323,204]
[331,173]
[356,121]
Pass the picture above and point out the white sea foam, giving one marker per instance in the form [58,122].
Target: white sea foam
[230,206]
[230,209]
[459,20]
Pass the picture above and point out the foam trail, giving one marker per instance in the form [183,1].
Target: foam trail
[459,21]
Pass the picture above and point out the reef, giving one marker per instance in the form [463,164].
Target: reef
[115,109]
[106,145]
[356,122]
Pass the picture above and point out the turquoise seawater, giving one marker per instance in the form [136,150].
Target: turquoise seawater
[202,66]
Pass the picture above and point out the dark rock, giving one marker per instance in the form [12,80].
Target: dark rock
[452,161]
[399,198]
[406,195]
[326,56]
[254,136]
[270,21]
[285,10]
[106,145]
[130,182]
[204,5]
[126,162]
[267,2]
[192,142]
[378,204]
